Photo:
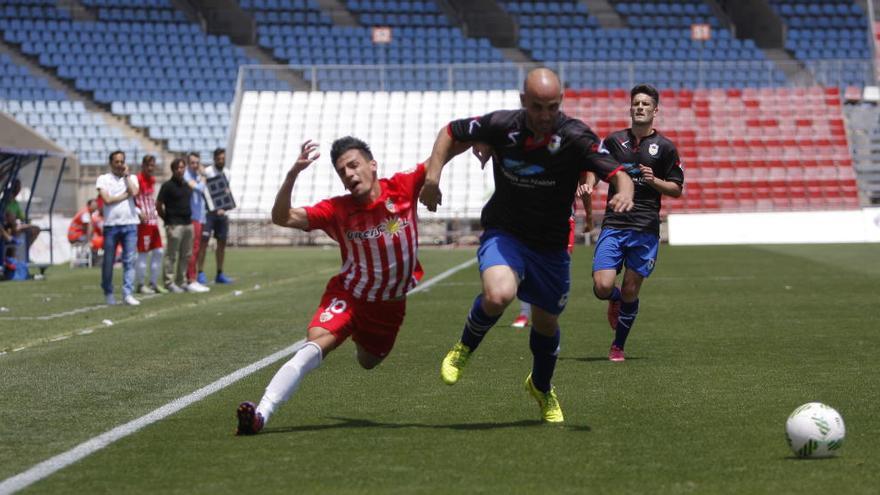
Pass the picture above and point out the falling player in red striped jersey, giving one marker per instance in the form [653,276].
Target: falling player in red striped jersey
[375,226]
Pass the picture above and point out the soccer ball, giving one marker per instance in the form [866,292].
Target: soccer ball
[814,430]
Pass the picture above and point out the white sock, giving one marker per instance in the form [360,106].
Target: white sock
[525,309]
[155,265]
[287,379]
[140,269]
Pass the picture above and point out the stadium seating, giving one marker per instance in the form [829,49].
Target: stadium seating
[421,35]
[658,37]
[146,62]
[665,13]
[399,126]
[744,150]
[139,55]
[831,37]
[18,83]
[32,101]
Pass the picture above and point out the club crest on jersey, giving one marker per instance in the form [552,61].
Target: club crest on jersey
[653,149]
[389,205]
[554,144]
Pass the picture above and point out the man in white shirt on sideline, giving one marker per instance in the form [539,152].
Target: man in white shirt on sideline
[118,189]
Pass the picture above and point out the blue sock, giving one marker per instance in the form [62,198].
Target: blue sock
[615,294]
[477,324]
[545,351]
[628,313]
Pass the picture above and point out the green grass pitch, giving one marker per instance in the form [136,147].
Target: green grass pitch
[728,342]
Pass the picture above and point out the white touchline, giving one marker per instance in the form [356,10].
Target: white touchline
[442,276]
[89,447]
[87,331]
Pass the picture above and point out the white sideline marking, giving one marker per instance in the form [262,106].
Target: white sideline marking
[442,276]
[108,323]
[60,461]
[54,464]
[57,315]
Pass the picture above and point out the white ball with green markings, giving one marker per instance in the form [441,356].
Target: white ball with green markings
[815,430]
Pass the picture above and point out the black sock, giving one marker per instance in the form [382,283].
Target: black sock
[628,313]
[477,325]
[545,351]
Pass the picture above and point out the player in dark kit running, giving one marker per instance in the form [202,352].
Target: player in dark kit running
[632,238]
[539,154]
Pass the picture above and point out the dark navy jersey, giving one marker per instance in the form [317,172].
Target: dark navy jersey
[535,181]
[655,151]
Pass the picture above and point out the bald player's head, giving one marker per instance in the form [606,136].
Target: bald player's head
[542,81]
[541,98]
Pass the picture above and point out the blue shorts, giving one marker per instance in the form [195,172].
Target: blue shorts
[638,249]
[217,224]
[544,276]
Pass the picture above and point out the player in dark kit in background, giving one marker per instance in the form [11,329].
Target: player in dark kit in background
[632,238]
[539,156]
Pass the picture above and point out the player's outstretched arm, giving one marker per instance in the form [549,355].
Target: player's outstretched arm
[445,148]
[282,213]
[622,201]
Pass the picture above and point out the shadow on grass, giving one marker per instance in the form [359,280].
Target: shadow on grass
[807,459]
[366,423]
[591,359]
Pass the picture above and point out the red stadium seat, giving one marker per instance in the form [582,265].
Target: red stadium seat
[745,149]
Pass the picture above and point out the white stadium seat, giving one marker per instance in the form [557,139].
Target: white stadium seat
[400,127]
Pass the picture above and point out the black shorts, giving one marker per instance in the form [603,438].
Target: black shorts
[218,224]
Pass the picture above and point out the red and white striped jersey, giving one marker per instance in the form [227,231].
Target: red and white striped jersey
[378,241]
[146,198]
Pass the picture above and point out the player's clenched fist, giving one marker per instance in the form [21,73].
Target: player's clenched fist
[431,196]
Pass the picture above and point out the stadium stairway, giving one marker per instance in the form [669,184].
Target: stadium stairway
[864,136]
[338,12]
[77,10]
[605,14]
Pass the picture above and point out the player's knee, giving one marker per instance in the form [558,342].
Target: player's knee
[368,361]
[602,290]
[495,300]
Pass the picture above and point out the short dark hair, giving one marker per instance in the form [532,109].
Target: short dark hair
[341,145]
[195,154]
[646,89]
[148,158]
[218,151]
[113,153]
[175,162]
